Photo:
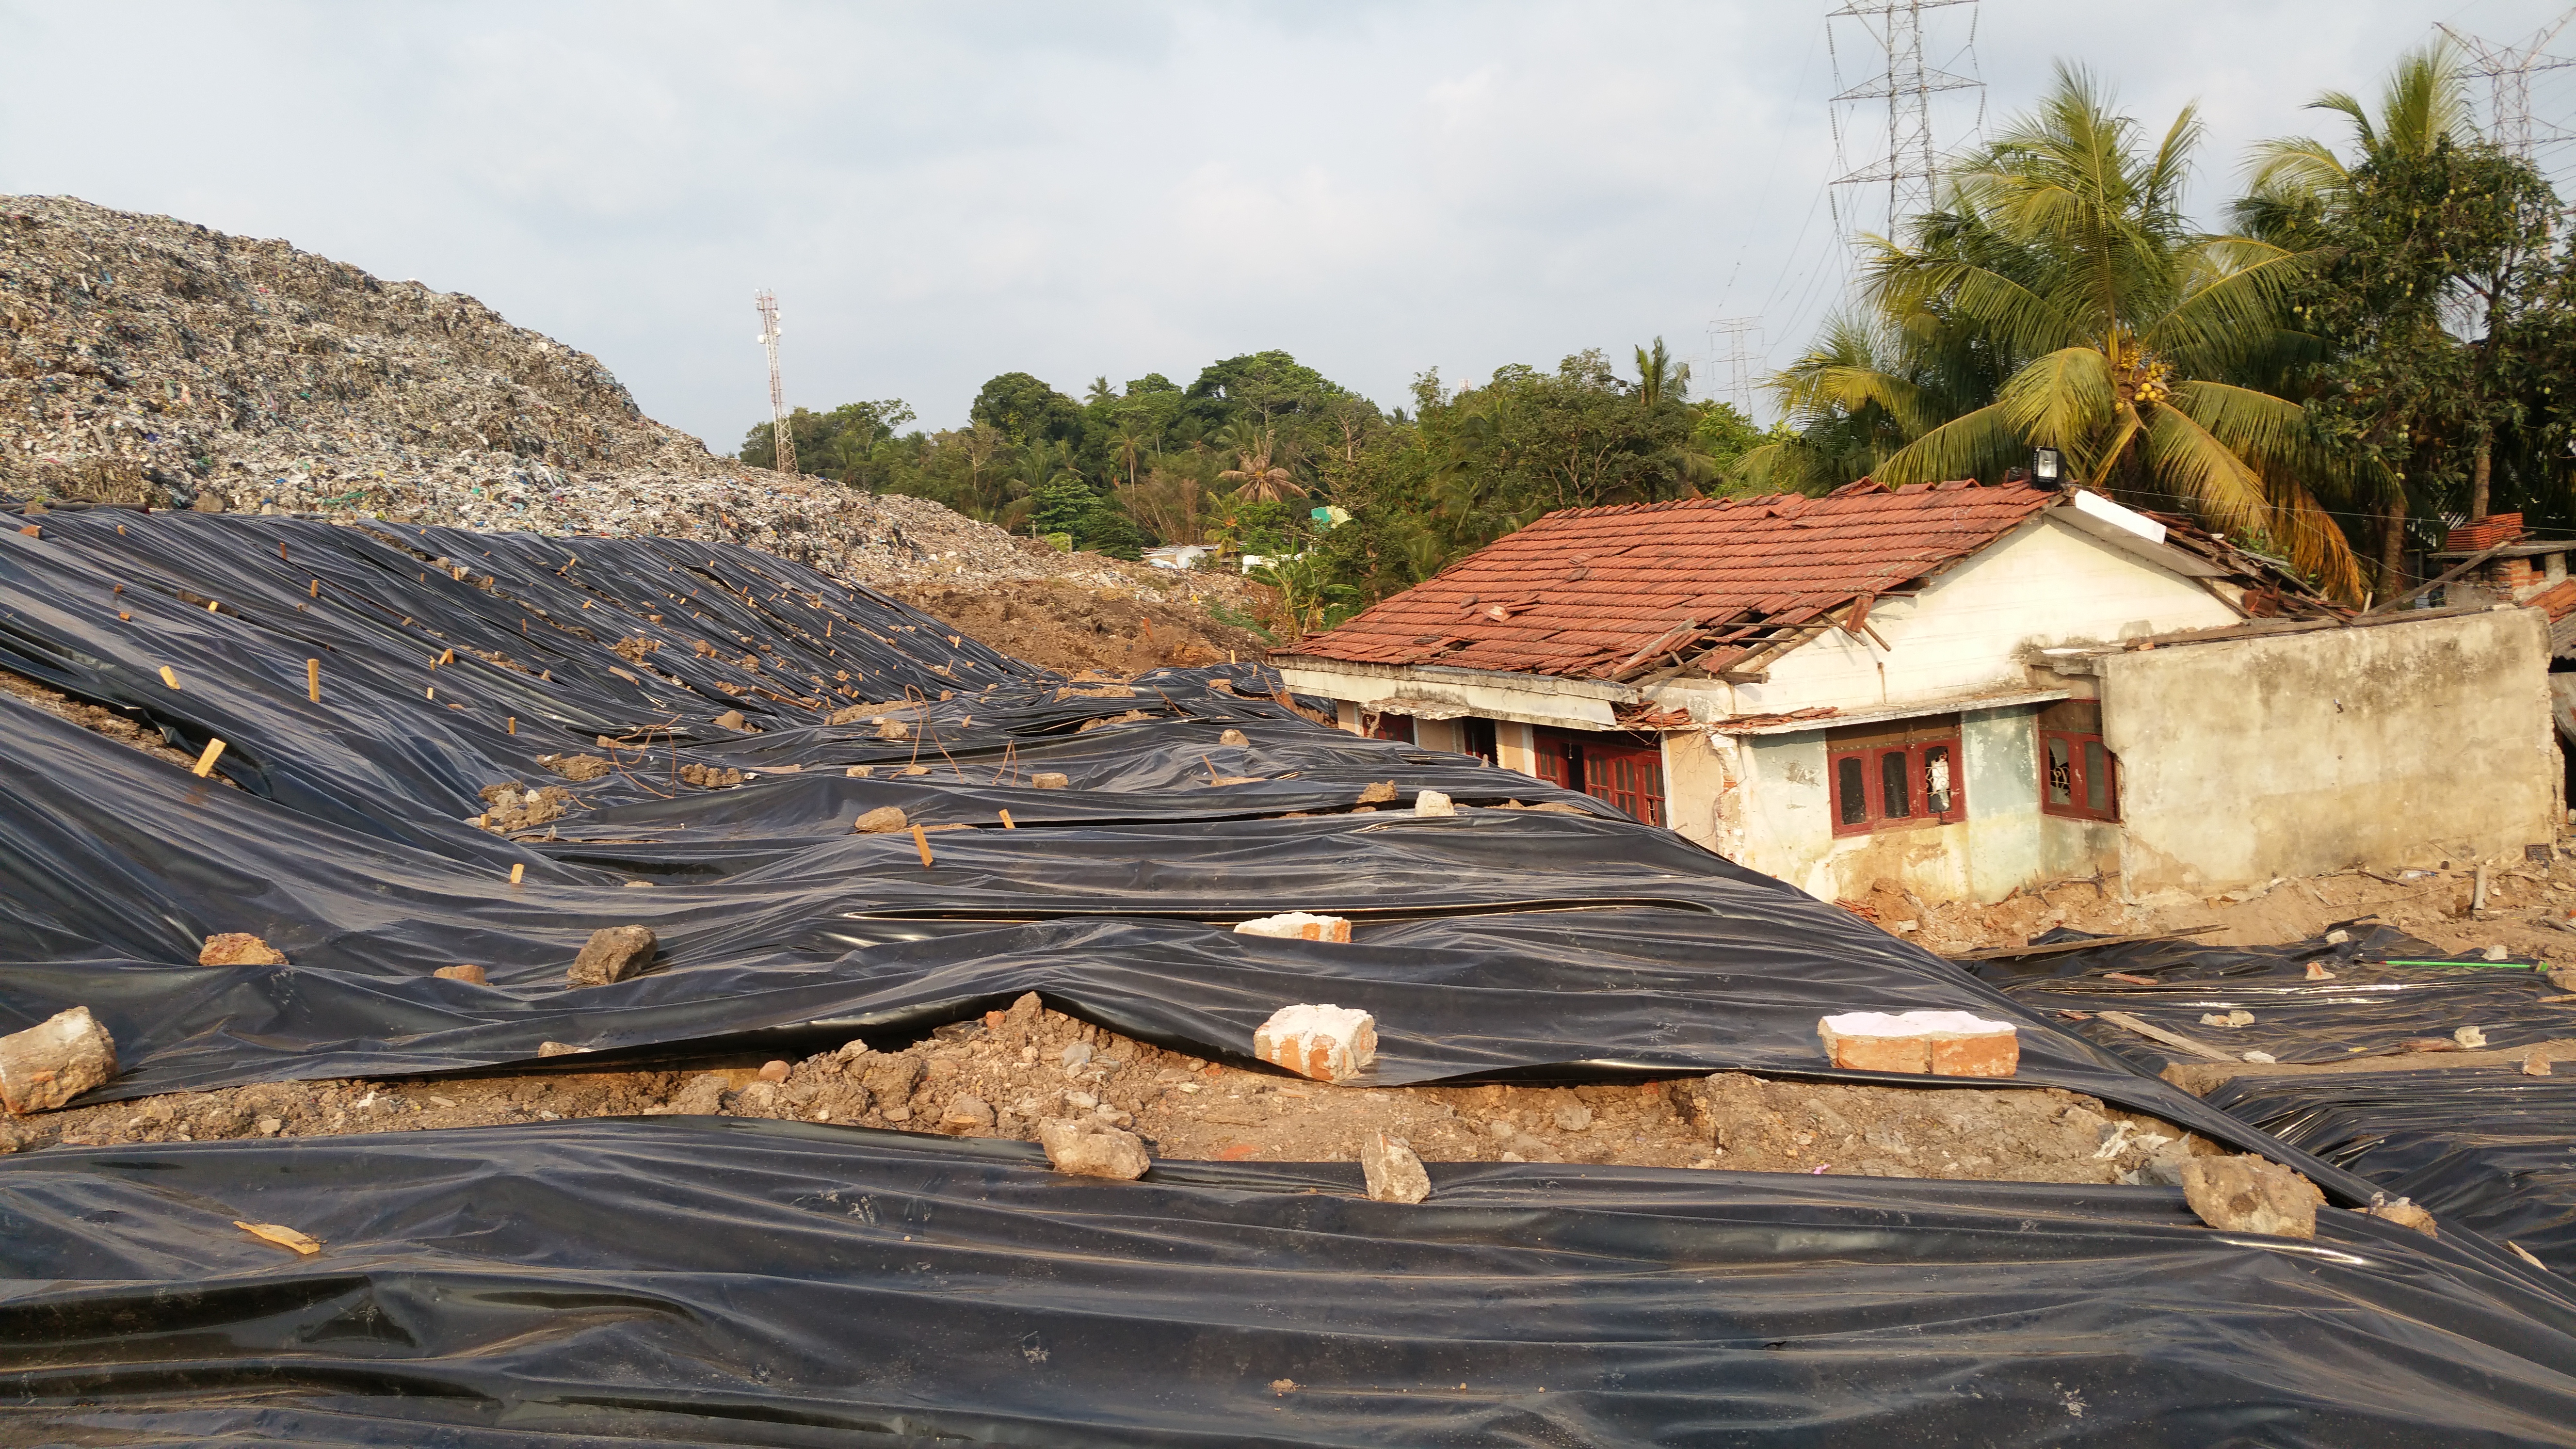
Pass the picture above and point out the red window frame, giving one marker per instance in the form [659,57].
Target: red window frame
[2079,777]
[1623,770]
[1898,776]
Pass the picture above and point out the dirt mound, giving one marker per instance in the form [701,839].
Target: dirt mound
[1002,1078]
[148,361]
[1069,628]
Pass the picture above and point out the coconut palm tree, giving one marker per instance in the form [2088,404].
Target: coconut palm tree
[2425,102]
[2060,299]
[1260,480]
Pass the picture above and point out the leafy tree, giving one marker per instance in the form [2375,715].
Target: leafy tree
[2059,298]
[1025,410]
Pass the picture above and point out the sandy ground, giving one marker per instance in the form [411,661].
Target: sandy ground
[1069,628]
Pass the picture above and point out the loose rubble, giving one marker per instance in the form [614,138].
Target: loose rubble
[1031,1066]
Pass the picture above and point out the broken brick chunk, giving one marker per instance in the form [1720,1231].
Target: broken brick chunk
[1327,1043]
[239,948]
[1937,1043]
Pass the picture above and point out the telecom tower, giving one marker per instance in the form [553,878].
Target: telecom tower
[1909,162]
[2508,70]
[783,438]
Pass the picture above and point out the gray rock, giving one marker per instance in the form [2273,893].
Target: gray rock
[2251,1195]
[1394,1173]
[1573,1117]
[1092,1148]
[614,954]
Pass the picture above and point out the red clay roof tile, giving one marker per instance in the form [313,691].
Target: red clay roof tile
[1589,588]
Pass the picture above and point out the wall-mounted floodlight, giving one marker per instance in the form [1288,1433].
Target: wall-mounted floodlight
[2044,466]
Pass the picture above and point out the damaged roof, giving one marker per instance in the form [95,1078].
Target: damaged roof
[1611,593]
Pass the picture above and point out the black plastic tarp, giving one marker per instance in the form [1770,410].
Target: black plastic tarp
[2490,1150]
[2374,1003]
[709,1281]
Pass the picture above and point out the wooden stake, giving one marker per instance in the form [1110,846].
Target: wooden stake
[169,678]
[430,693]
[281,550]
[206,761]
[2173,1039]
[317,589]
[517,872]
[313,680]
[1006,821]
[213,607]
[514,724]
[447,658]
[921,843]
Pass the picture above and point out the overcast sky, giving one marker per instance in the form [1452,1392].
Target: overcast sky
[943,192]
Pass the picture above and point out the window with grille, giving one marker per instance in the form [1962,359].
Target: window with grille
[1896,776]
[1625,769]
[2078,777]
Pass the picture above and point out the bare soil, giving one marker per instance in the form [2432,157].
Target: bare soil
[1070,628]
[1001,1078]
[97,720]
[2525,905]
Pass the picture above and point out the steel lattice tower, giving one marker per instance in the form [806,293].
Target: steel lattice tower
[2508,70]
[1907,85]
[782,438]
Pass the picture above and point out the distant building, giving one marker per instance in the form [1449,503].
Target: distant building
[1965,690]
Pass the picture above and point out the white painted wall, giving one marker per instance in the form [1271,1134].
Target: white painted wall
[2045,583]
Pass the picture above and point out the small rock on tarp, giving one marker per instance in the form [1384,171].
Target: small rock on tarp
[2251,1195]
[613,954]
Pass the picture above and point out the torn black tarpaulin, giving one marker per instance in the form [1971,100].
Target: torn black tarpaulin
[509,1285]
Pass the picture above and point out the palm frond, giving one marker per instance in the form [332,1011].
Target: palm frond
[2061,401]
[1964,447]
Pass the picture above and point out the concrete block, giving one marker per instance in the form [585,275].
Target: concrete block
[1297,926]
[1432,802]
[1327,1043]
[1939,1043]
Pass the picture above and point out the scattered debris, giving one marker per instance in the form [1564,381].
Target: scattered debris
[2248,1194]
[1394,1173]
[1941,1043]
[281,1235]
[2403,1213]
[883,820]
[613,953]
[1297,926]
[576,768]
[1327,1043]
[1093,1149]
[239,948]
[57,1059]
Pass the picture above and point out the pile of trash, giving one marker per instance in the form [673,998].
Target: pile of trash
[149,361]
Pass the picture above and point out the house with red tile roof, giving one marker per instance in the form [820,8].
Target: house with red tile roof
[1963,690]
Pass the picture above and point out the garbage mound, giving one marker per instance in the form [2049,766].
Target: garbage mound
[510,1286]
[149,360]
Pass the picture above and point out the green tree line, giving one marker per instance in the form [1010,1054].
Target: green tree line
[1245,456]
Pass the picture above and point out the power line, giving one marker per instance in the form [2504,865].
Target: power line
[1744,351]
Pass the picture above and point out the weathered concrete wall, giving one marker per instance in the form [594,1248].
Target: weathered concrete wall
[1786,816]
[2394,745]
[1701,791]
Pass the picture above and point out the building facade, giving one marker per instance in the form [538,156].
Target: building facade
[1965,690]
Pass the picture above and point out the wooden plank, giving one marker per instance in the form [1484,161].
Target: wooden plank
[2173,1039]
[2059,948]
